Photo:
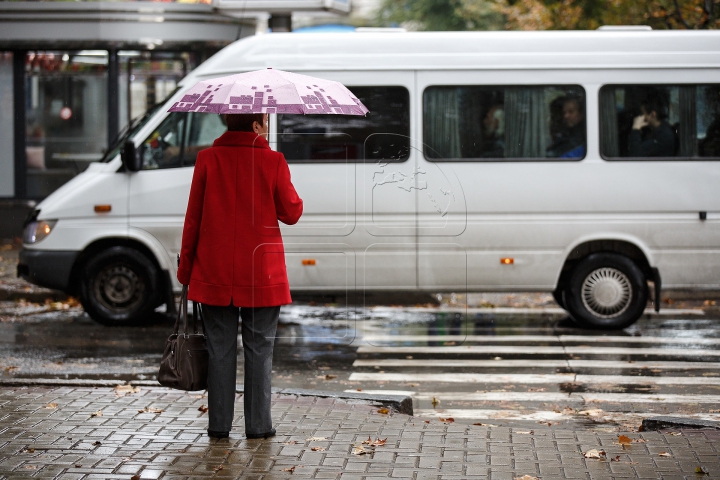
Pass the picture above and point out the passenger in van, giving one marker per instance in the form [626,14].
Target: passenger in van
[570,140]
[660,140]
[233,260]
[494,133]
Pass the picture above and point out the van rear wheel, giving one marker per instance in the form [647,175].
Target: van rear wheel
[607,291]
[119,287]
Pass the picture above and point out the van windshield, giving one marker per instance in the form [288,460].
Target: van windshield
[131,129]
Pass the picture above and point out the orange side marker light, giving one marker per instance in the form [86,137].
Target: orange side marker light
[507,261]
[308,262]
[102,208]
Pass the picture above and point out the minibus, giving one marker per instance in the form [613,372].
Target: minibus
[582,163]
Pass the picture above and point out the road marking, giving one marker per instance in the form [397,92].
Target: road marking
[551,397]
[528,378]
[518,310]
[537,415]
[442,363]
[538,338]
[540,350]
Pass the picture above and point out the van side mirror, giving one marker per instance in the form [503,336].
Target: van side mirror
[131,157]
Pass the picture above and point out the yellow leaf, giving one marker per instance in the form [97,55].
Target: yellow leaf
[624,440]
[317,449]
[359,450]
[96,414]
[384,411]
[664,454]
[51,405]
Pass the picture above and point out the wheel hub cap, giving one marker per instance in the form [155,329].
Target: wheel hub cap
[118,286]
[606,292]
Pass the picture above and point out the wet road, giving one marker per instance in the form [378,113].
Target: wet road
[496,366]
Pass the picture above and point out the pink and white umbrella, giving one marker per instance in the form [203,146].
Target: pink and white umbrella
[270,91]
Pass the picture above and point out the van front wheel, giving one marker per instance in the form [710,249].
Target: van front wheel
[606,291]
[119,287]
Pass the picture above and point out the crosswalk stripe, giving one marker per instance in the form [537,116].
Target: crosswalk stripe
[443,363]
[528,378]
[538,415]
[583,398]
[538,338]
[540,350]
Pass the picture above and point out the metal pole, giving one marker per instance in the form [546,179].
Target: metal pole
[19,113]
[113,96]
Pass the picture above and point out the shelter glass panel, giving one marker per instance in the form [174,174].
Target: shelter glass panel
[7,140]
[660,121]
[382,134]
[66,116]
[496,123]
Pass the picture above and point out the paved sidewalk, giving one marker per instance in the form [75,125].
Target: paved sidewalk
[56,432]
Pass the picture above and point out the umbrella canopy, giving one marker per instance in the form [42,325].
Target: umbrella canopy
[270,91]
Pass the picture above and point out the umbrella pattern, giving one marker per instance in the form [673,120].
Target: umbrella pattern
[270,91]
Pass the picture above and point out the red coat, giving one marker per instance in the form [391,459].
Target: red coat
[232,250]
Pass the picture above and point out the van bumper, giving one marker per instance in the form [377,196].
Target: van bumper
[47,268]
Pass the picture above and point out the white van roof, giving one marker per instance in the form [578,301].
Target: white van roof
[468,50]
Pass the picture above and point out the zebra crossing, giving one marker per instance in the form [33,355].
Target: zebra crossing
[662,366]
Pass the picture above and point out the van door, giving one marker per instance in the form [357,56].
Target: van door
[159,192]
[356,177]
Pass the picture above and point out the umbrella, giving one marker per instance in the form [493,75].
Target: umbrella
[270,91]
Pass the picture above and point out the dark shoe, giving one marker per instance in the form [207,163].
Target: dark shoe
[214,434]
[271,433]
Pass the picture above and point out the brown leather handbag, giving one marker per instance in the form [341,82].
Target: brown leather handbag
[184,363]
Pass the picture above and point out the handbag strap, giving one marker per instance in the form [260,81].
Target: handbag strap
[197,317]
[182,312]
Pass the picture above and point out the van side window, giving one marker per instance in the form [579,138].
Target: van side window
[659,121]
[486,123]
[382,134]
[179,138]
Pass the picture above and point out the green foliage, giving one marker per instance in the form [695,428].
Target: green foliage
[441,14]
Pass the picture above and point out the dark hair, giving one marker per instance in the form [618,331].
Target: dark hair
[654,103]
[243,122]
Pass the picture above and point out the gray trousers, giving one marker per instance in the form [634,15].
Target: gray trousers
[258,335]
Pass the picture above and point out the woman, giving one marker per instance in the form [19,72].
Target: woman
[233,260]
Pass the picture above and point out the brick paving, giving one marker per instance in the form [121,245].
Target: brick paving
[316,439]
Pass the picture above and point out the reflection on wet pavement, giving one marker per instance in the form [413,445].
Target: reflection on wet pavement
[495,365]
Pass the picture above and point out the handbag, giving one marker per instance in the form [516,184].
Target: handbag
[184,363]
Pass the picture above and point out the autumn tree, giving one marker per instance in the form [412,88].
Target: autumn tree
[549,14]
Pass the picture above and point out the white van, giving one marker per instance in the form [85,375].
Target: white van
[586,164]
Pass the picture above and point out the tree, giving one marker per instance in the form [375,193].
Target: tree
[549,14]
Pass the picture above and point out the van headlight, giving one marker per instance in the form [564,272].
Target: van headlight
[37,230]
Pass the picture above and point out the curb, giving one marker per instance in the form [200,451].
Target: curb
[660,423]
[35,295]
[397,403]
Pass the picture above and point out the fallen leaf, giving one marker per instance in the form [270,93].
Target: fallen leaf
[526,432]
[484,425]
[202,408]
[664,454]
[616,458]
[359,450]
[96,414]
[30,467]
[639,440]
[675,434]
[11,368]
[624,440]
[290,469]
[135,477]
[317,449]
[358,389]
[594,453]
[291,442]
[96,444]
[383,411]
[218,468]
[702,470]
[526,477]
[330,377]
[150,410]
[30,450]
[316,439]
[435,402]
[593,412]
[77,465]
[378,442]
[427,421]
[448,419]
[122,390]
[51,405]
